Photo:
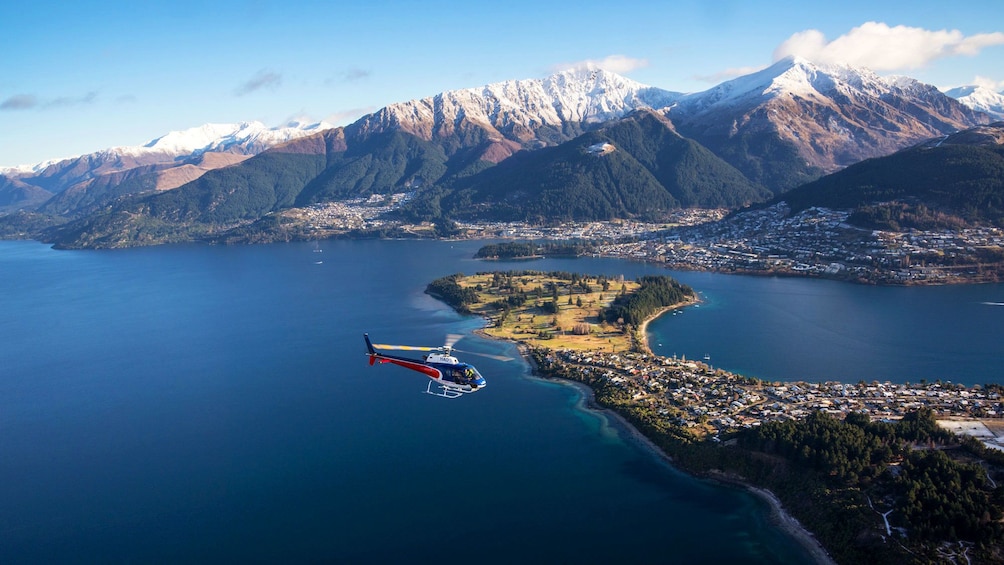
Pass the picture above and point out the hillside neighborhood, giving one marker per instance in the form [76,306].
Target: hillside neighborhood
[816,242]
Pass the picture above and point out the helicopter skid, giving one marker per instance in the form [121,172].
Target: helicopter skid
[444,391]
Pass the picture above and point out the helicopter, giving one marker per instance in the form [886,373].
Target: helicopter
[453,378]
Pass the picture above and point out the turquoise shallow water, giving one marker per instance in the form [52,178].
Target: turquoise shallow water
[195,404]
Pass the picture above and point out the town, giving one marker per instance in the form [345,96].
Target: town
[563,325]
[817,242]
[712,401]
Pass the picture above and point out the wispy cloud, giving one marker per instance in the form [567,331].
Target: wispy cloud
[263,79]
[64,101]
[349,75]
[20,102]
[33,102]
[883,48]
[347,116]
[355,74]
[620,64]
[727,74]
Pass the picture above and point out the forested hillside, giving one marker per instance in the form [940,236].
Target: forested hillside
[922,187]
[644,169]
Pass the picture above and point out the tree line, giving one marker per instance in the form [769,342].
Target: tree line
[654,293]
[448,290]
[514,250]
[933,496]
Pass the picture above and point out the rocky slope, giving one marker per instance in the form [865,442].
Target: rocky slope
[794,120]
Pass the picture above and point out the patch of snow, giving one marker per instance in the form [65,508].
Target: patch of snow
[600,148]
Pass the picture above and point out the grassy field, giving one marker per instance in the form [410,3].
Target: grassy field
[578,310]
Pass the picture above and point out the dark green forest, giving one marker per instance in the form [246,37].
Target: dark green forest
[651,170]
[514,249]
[933,496]
[654,293]
[922,187]
[449,291]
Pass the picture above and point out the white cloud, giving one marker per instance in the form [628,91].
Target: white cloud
[619,64]
[882,48]
[986,82]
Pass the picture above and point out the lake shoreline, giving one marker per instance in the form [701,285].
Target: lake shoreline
[779,516]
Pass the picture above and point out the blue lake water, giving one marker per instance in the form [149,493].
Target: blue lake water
[816,330]
[190,403]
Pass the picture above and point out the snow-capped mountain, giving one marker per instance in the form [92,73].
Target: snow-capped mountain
[981,99]
[512,115]
[243,137]
[815,117]
[780,127]
[174,149]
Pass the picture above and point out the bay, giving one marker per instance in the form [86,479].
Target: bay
[816,330]
[789,329]
[197,404]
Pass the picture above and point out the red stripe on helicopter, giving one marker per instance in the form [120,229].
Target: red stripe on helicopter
[420,367]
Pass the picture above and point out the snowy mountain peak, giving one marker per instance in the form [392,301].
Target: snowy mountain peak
[833,114]
[595,76]
[516,109]
[981,99]
[198,137]
[171,150]
[788,76]
[221,137]
[242,137]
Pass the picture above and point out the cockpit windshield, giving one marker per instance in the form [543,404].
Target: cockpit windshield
[465,374]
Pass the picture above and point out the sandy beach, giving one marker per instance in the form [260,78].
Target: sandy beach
[642,339]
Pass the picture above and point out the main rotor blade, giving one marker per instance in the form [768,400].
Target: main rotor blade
[488,355]
[404,347]
[451,339]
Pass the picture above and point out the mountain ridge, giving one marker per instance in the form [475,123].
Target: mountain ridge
[775,129]
[819,118]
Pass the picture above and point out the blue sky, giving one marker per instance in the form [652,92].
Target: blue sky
[80,77]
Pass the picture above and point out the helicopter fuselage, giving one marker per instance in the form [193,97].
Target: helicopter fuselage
[442,368]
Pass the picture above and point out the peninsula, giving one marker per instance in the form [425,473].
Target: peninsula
[853,463]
